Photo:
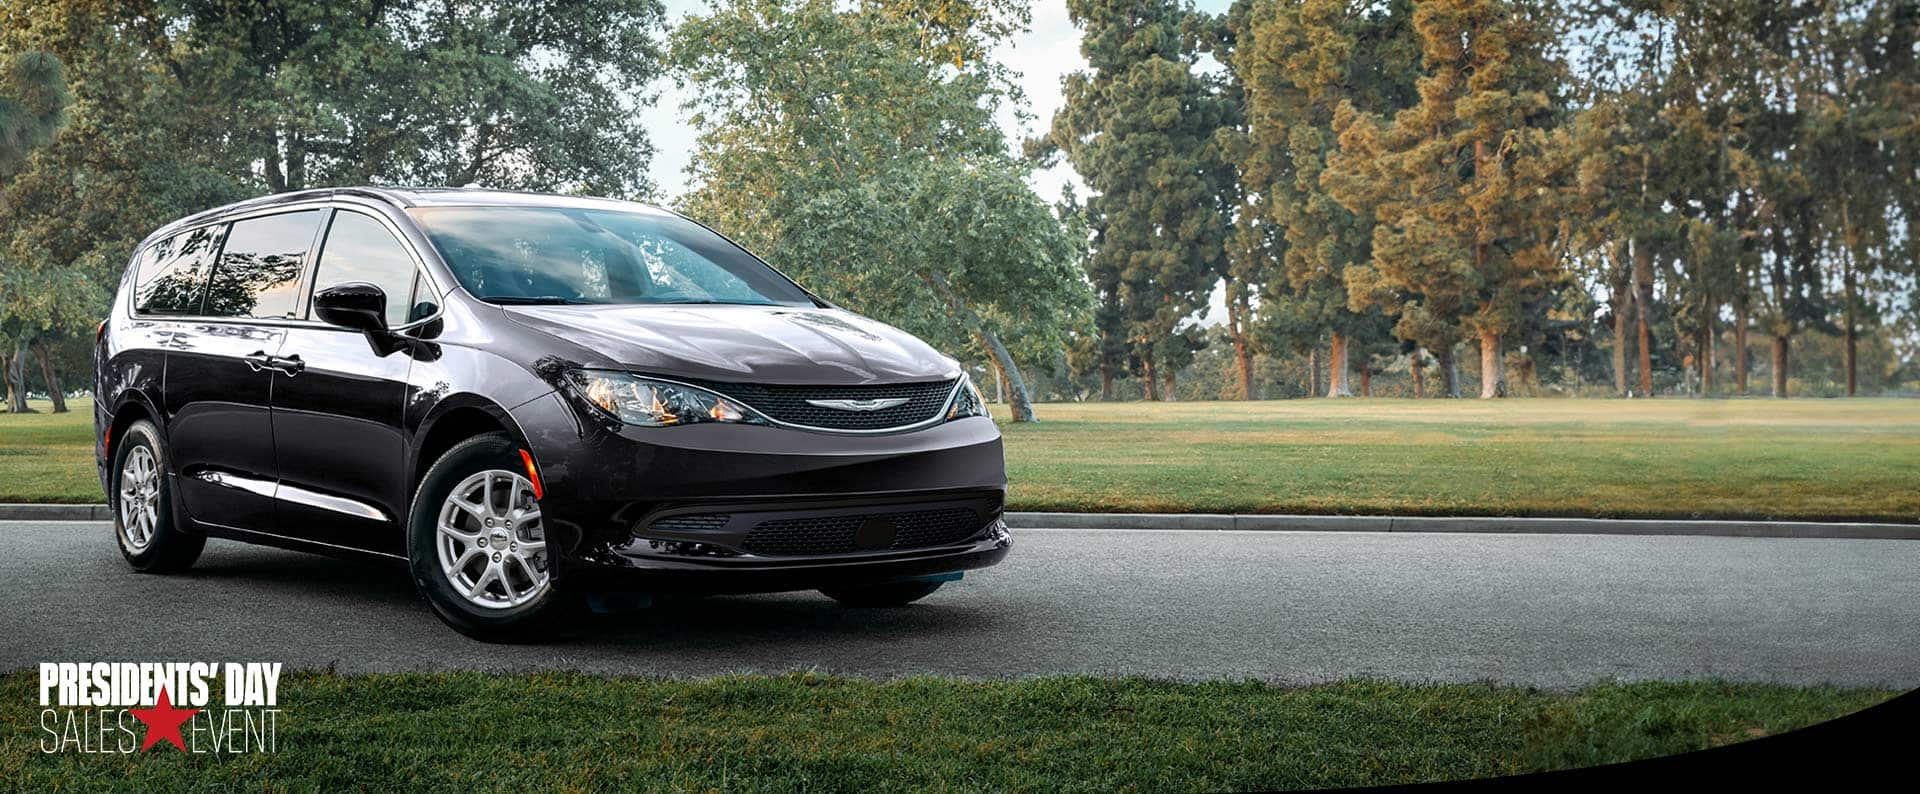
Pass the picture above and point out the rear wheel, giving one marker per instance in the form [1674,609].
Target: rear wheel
[891,594]
[478,546]
[143,505]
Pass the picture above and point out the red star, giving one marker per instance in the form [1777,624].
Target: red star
[163,722]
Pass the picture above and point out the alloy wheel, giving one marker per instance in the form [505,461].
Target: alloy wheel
[139,498]
[492,545]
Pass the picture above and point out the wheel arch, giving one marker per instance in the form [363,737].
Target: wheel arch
[453,420]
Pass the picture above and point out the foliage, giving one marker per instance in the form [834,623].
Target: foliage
[1140,128]
[857,150]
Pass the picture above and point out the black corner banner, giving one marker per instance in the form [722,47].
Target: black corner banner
[1865,749]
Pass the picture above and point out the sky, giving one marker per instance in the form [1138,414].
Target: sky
[1043,57]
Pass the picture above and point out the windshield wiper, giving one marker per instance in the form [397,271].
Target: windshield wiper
[535,300]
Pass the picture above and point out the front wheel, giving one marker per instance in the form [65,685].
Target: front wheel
[891,594]
[478,547]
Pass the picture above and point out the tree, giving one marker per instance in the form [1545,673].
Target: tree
[180,106]
[849,147]
[33,104]
[539,95]
[1140,127]
[1462,184]
[1300,61]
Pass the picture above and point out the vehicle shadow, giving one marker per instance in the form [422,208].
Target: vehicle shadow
[382,595]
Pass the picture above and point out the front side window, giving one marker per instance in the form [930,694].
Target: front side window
[359,248]
[173,272]
[258,275]
[535,255]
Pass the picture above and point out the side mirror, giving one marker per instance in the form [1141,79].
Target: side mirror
[356,305]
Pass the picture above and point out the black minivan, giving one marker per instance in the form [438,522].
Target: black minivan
[535,401]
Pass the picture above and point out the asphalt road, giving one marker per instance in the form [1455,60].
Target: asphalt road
[1546,610]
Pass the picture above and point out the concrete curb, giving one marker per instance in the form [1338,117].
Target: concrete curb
[36,512]
[1296,523]
[1557,526]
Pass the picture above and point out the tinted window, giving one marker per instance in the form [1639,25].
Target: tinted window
[359,248]
[556,255]
[259,270]
[173,272]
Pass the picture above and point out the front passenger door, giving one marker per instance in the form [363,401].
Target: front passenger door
[338,418]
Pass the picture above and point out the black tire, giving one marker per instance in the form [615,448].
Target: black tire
[541,617]
[891,594]
[166,548]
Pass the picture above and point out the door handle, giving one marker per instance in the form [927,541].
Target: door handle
[258,360]
[291,365]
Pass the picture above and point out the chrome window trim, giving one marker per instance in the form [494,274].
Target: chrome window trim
[308,271]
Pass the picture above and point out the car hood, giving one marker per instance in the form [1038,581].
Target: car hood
[762,344]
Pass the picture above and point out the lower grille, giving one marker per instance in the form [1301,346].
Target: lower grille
[844,534]
[699,522]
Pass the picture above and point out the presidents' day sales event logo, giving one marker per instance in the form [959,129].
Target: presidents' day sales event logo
[126,707]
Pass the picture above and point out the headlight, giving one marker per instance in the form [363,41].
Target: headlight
[968,402]
[651,403]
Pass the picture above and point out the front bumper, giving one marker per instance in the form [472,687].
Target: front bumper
[611,490]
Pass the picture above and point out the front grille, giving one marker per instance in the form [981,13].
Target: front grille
[841,534]
[789,403]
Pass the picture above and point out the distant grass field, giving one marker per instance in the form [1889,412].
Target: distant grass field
[469,731]
[1813,459]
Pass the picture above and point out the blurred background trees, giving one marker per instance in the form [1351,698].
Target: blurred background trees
[1282,198]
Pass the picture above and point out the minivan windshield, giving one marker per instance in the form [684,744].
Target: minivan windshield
[565,255]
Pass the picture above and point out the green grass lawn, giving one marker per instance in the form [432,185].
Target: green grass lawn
[573,732]
[1815,459]
[48,457]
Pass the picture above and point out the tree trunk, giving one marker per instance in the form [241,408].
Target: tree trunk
[1106,379]
[1780,365]
[16,374]
[52,378]
[1620,298]
[1337,369]
[1449,372]
[1851,353]
[1019,402]
[1152,381]
[1242,352]
[1706,359]
[1642,301]
[1705,353]
[1366,381]
[1419,367]
[1740,346]
[1168,394]
[1493,374]
[1620,342]
[1313,371]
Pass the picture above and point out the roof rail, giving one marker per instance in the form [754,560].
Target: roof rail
[383,194]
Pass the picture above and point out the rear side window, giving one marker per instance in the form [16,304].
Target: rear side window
[258,274]
[173,272]
[359,248]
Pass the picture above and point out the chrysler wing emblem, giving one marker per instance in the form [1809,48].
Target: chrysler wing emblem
[860,405]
